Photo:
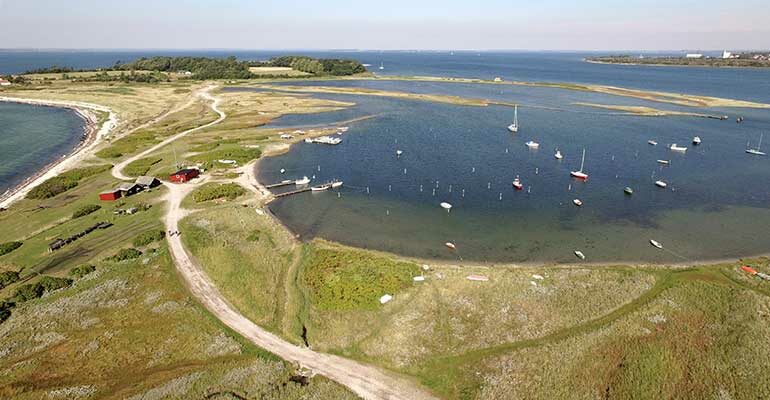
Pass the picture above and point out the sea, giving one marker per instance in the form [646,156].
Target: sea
[714,207]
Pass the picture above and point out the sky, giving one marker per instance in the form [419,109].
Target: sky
[386,24]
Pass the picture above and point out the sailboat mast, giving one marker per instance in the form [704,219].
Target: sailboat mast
[583,160]
[516,115]
[759,145]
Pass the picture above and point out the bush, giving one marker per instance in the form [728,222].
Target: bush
[81,271]
[347,280]
[125,254]
[8,247]
[214,191]
[85,210]
[51,283]
[28,292]
[66,181]
[147,237]
[8,277]
[141,166]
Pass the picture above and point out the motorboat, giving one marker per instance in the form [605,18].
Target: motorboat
[656,243]
[446,206]
[304,181]
[661,184]
[652,142]
[674,147]
[627,190]
[517,184]
[321,188]
[577,202]
[532,144]
[664,162]
[579,254]
[450,245]
[336,184]
[399,153]
[558,155]
[696,140]
[579,173]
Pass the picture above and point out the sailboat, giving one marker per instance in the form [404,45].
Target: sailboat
[580,174]
[517,183]
[558,155]
[382,66]
[756,151]
[514,127]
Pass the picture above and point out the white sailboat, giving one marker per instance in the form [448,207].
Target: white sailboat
[579,173]
[532,144]
[382,66]
[756,151]
[558,155]
[514,127]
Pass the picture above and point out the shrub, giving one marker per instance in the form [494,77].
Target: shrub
[8,277]
[28,292]
[85,210]
[8,247]
[66,181]
[214,191]
[125,254]
[347,280]
[81,271]
[51,283]
[147,237]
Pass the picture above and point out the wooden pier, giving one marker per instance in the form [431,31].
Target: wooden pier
[291,192]
[280,184]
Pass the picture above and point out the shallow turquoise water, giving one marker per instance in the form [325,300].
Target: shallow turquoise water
[33,136]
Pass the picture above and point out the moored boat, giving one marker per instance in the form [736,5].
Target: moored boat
[664,162]
[446,206]
[336,184]
[656,243]
[577,202]
[579,254]
[517,184]
[661,184]
[450,245]
[532,144]
[304,181]
[627,190]
[321,188]
[757,151]
[514,127]
[579,173]
[558,155]
[696,140]
[674,147]
[652,142]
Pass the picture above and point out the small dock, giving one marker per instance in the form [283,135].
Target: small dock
[280,184]
[291,192]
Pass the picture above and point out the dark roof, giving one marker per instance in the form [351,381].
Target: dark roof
[145,180]
[185,171]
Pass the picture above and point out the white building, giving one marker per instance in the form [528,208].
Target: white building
[727,54]
[694,55]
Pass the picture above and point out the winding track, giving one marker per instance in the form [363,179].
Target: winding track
[366,381]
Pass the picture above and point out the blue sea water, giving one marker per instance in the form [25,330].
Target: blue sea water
[716,204]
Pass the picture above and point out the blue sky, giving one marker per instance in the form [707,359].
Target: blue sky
[386,24]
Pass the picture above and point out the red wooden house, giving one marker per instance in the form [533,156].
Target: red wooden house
[110,195]
[184,175]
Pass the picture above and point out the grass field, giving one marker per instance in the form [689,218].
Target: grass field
[277,71]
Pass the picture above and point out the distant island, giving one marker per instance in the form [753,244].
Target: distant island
[163,69]
[728,59]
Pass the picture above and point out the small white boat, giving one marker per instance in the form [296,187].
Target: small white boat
[308,140]
[652,142]
[399,153]
[283,170]
[757,151]
[656,243]
[580,254]
[385,298]
[446,206]
[450,245]
[320,188]
[517,183]
[514,127]
[336,184]
[661,184]
[696,140]
[580,174]
[382,66]
[304,181]
[558,155]
[674,147]
[577,202]
[664,162]
[532,144]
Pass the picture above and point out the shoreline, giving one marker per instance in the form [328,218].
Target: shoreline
[93,135]
[674,65]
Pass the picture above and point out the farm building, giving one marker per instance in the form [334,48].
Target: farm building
[147,182]
[110,195]
[184,175]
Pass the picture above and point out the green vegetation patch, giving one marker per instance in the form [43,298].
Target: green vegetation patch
[81,271]
[125,254]
[349,280]
[32,291]
[240,154]
[147,237]
[8,277]
[8,247]
[213,191]
[84,210]
[66,181]
[141,166]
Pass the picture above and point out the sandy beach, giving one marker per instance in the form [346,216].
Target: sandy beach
[94,134]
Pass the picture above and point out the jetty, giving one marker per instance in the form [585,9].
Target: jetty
[281,183]
[291,192]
